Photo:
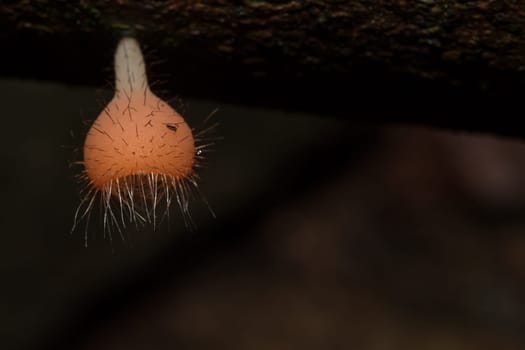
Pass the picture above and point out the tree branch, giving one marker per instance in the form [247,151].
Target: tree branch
[431,62]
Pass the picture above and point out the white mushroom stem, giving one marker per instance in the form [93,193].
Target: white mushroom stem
[130,70]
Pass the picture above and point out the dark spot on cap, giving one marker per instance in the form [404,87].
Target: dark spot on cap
[172,127]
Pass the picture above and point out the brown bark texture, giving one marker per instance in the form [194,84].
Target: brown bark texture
[458,64]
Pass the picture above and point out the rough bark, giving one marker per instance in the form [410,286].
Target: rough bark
[433,62]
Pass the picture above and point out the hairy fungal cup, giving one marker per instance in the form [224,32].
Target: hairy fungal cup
[140,155]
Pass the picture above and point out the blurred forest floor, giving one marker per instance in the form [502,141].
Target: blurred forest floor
[419,246]
[330,235]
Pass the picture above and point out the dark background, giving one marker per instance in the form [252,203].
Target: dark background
[345,218]
[328,235]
